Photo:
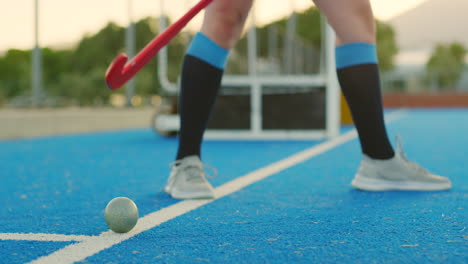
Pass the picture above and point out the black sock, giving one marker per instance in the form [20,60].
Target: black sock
[361,87]
[199,88]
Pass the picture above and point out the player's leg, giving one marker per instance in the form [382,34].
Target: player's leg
[357,71]
[203,68]
[358,75]
[202,71]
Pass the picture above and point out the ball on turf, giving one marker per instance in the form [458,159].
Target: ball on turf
[121,214]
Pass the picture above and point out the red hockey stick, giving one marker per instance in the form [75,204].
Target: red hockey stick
[119,72]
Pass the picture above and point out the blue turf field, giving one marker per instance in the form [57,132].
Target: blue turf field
[307,213]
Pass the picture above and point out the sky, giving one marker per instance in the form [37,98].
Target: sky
[64,22]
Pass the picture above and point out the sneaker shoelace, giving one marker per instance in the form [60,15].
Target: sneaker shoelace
[199,175]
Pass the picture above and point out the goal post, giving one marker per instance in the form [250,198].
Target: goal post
[262,90]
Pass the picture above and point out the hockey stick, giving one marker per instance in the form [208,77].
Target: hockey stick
[119,72]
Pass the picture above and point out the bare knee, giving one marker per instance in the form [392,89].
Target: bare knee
[352,20]
[224,21]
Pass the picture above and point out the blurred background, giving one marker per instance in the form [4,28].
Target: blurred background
[54,54]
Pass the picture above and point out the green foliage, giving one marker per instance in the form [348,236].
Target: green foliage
[77,74]
[15,73]
[308,30]
[386,46]
[55,62]
[98,50]
[309,27]
[82,91]
[446,64]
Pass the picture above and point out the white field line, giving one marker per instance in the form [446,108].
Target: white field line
[93,245]
[42,237]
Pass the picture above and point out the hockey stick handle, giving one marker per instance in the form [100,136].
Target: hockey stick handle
[119,72]
[148,52]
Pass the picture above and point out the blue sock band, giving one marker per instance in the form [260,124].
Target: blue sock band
[355,54]
[207,50]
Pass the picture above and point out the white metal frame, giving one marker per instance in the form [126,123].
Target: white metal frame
[256,82]
[36,62]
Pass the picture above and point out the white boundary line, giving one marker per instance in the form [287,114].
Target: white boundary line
[93,245]
[42,237]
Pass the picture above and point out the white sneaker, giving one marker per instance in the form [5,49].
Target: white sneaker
[188,180]
[398,174]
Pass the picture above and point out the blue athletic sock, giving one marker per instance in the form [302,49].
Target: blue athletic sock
[358,75]
[357,53]
[208,51]
[202,72]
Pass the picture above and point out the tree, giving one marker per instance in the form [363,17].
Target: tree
[99,49]
[445,66]
[15,73]
[54,64]
[77,74]
[309,32]
[386,46]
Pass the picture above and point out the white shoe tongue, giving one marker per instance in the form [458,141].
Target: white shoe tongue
[192,161]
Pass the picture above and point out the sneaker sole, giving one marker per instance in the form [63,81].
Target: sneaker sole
[368,184]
